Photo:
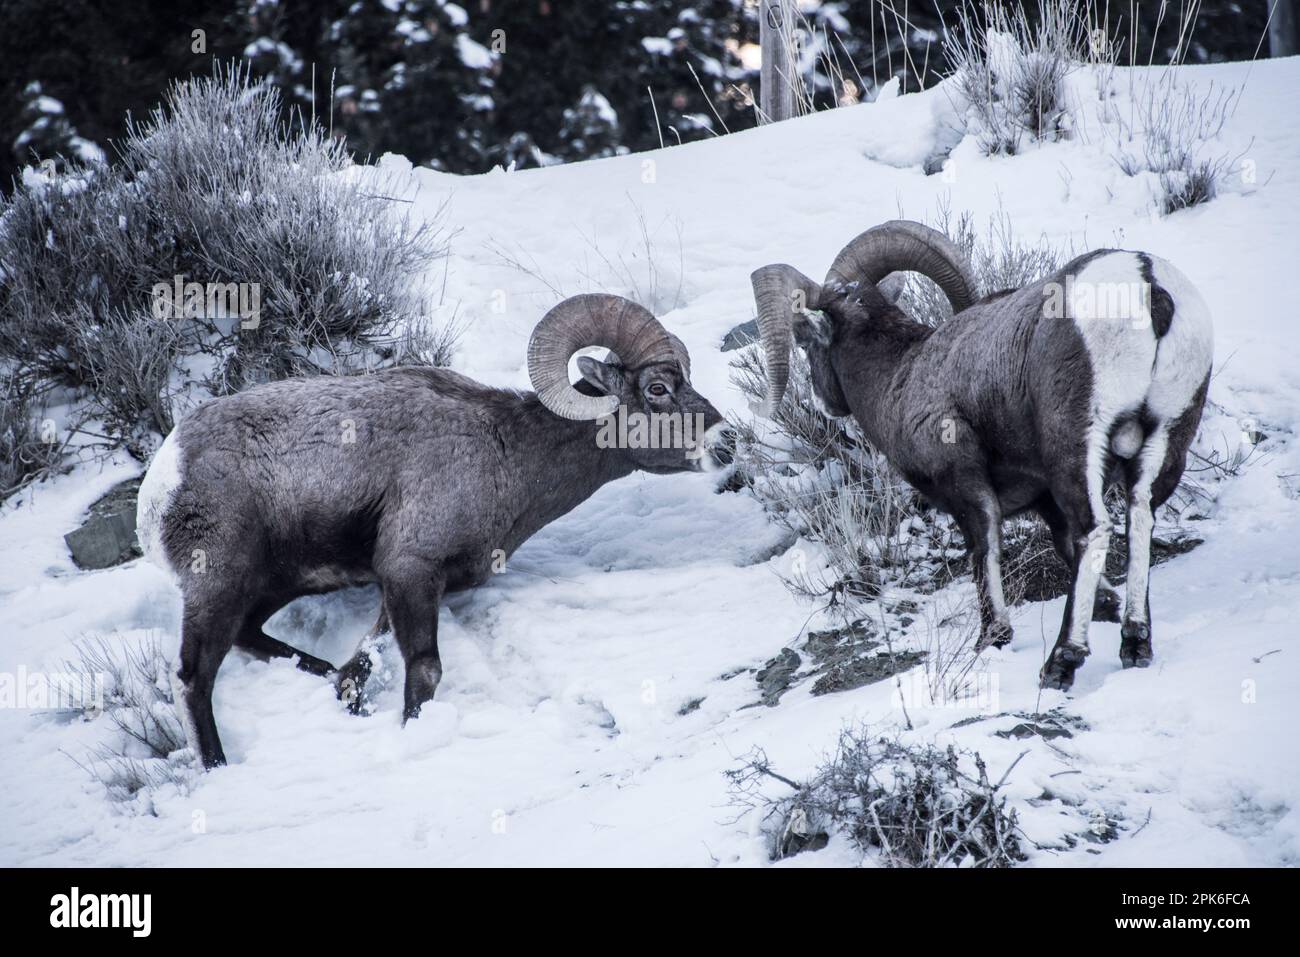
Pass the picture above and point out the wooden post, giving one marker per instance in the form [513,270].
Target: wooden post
[776,94]
[1283,30]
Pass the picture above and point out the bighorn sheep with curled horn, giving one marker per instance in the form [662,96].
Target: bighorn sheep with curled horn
[1029,400]
[418,479]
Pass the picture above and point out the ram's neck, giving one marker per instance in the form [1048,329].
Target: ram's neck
[871,363]
[556,465]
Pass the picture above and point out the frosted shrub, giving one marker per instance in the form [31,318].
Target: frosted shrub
[215,188]
[904,805]
[1172,132]
[27,453]
[998,260]
[147,749]
[1011,69]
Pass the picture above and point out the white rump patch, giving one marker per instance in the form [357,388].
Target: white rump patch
[1187,349]
[156,492]
[1115,322]
[1131,367]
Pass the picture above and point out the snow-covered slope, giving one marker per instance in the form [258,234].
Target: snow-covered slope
[557,736]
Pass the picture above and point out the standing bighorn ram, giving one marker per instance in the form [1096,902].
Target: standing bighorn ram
[1030,399]
[419,479]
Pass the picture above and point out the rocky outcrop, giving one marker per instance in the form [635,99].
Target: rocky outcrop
[107,536]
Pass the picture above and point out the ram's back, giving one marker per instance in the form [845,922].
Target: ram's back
[309,470]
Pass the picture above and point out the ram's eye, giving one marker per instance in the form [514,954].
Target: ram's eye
[658,390]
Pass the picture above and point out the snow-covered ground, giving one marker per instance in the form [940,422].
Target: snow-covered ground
[556,736]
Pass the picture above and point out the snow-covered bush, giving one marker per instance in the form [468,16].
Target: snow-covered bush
[1173,132]
[28,451]
[1011,66]
[214,189]
[817,476]
[905,805]
[147,748]
[1011,69]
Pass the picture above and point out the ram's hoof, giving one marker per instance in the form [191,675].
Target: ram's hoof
[997,634]
[1058,671]
[350,685]
[1135,645]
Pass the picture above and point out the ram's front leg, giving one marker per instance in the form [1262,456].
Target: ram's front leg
[350,682]
[412,592]
[980,520]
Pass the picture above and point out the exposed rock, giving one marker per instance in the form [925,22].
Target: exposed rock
[777,676]
[840,659]
[1045,724]
[1027,729]
[838,644]
[1101,828]
[107,536]
[856,672]
[934,163]
[741,336]
[1164,549]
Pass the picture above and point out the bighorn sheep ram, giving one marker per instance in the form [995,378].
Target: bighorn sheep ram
[1031,399]
[419,479]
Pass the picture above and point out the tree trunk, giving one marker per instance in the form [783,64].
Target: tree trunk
[776,26]
[1282,29]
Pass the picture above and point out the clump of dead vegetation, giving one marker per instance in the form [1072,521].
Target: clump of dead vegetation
[900,804]
[146,749]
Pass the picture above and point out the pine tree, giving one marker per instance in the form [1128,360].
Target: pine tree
[591,128]
[701,86]
[47,134]
[411,79]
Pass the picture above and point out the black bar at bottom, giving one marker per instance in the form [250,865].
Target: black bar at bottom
[306,906]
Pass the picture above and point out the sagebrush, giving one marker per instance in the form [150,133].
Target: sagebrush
[905,805]
[146,748]
[1011,66]
[216,186]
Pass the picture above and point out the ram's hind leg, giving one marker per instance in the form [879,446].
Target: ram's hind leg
[207,634]
[1088,526]
[1141,474]
[261,645]
[980,520]
[352,677]
[253,640]
[1106,606]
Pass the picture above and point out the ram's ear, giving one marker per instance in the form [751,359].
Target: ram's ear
[605,376]
[812,327]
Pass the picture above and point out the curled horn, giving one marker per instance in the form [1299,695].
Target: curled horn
[904,246]
[683,357]
[779,291]
[629,330]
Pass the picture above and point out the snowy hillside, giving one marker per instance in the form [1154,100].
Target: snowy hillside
[595,694]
